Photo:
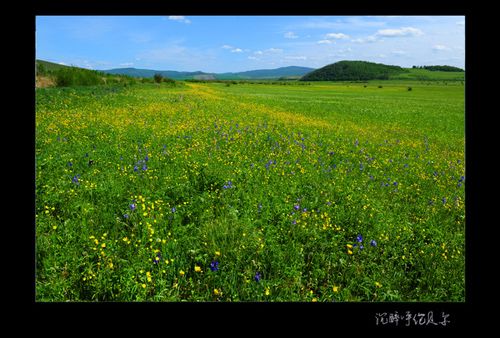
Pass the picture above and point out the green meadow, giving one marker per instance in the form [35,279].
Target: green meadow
[304,192]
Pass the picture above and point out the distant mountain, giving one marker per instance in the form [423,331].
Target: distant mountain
[353,71]
[283,72]
[172,74]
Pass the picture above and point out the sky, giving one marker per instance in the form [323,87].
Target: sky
[221,44]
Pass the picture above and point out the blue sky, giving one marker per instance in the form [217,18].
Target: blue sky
[240,43]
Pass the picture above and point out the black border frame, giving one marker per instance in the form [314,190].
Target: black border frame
[291,317]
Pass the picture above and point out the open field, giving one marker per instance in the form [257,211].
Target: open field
[251,192]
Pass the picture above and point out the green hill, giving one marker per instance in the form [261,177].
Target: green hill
[46,66]
[353,71]
[65,76]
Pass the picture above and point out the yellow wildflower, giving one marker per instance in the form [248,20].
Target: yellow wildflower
[335,288]
[181,273]
[197,268]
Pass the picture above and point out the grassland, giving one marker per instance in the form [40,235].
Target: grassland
[251,192]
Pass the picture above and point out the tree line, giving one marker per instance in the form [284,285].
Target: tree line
[440,68]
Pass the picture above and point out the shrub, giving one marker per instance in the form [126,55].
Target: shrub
[168,80]
[158,78]
[73,76]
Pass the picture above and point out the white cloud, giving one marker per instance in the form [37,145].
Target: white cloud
[290,35]
[404,31]
[253,58]
[398,52]
[336,36]
[440,48]
[259,52]
[62,63]
[331,23]
[461,23]
[179,18]
[126,64]
[330,37]
[273,50]
[233,49]
[368,39]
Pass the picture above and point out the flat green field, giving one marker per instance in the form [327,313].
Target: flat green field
[251,192]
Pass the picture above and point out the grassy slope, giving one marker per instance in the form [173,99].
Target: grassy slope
[427,75]
[381,162]
[51,66]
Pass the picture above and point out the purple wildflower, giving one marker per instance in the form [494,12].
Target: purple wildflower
[359,238]
[257,277]
[214,266]
[373,242]
[228,185]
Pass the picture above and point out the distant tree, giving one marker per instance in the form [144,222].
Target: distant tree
[443,68]
[168,80]
[158,78]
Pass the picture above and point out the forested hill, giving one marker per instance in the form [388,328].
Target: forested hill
[353,71]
